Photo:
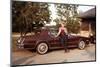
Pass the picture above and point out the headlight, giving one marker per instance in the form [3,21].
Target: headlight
[19,40]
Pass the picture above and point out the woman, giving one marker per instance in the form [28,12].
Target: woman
[63,36]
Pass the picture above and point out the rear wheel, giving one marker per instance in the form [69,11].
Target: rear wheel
[81,45]
[42,48]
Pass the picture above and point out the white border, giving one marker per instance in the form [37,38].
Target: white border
[5,33]
[89,2]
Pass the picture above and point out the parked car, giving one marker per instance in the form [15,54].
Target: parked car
[46,40]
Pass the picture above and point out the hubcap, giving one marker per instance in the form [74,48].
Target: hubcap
[42,48]
[81,45]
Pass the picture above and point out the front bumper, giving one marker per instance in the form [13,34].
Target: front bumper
[20,43]
[21,46]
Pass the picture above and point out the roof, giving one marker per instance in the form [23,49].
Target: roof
[88,14]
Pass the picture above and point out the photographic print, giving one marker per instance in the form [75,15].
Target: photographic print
[52,33]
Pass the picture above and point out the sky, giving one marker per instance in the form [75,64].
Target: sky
[53,14]
[84,8]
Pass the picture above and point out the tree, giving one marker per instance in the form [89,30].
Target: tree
[29,16]
[68,14]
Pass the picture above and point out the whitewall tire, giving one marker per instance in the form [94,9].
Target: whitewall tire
[42,48]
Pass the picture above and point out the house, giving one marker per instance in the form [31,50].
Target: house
[88,22]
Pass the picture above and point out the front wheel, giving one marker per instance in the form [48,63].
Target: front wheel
[81,45]
[42,48]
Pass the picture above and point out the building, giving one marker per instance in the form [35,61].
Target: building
[88,22]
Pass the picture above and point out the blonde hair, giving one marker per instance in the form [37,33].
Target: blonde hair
[62,22]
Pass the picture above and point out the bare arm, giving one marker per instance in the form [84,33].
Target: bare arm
[58,32]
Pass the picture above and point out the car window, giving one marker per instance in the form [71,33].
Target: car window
[52,32]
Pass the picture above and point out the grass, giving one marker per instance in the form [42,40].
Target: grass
[15,33]
[14,43]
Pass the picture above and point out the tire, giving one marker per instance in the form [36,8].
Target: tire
[42,48]
[81,45]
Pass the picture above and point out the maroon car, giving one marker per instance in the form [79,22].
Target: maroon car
[46,40]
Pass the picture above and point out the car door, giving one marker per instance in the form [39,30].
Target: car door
[54,41]
[72,39]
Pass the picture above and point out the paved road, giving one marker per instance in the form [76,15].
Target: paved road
[21,57]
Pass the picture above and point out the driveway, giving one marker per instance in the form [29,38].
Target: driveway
[25,57]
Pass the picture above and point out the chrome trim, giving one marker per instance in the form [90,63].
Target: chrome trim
[20,43]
